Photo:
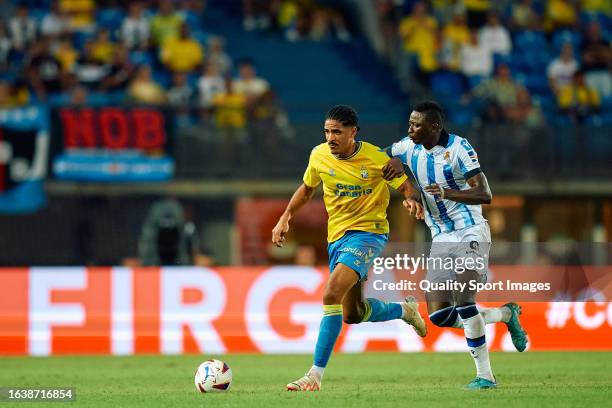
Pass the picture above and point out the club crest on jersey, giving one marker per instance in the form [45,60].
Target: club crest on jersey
[332,172]
[364,172]
[447,157]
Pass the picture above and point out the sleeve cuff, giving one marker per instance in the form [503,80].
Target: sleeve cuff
[389,151]
[472,173]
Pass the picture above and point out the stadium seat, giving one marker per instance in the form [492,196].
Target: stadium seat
[141,57]
[561,37]
[443,83]
[110,18]
[529,39]
[537,83]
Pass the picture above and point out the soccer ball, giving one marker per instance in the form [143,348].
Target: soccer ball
[213,375]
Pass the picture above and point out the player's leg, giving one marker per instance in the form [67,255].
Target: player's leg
[356,310]
[364,249]
[339,283]
[474,329]
[441,303]
[475,245]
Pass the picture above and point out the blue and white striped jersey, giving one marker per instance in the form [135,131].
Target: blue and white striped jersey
[449,164]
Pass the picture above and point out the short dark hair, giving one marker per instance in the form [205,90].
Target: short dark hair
[432,111]
[343,114]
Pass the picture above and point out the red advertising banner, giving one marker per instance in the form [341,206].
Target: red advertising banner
[117,310]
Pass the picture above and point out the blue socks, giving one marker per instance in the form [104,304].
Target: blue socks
[379,311]
[331,324]
[330,327]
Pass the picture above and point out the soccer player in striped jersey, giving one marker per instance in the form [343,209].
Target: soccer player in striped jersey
[356,198]
[453,188]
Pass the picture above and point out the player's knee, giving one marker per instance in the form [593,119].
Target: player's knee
[332,297]
[444,317]
[354,316]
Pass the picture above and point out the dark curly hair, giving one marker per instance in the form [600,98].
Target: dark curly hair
[343,114]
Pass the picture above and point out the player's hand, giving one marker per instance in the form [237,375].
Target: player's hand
[279,232]
[394,168]
[435,189]
[414,208]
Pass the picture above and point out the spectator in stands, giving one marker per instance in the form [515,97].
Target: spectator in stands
[135,29]
[248,83]
[144,90]
[121,71]
[495,37]
[44,70]
[66,54]
[560,14]
[183,53]
[89,71]
[322,20]
[388,14]
[216,55]
[524,112]
[561,70]
[230,109]
[457,30]
[498,93]
[166,23]
[476,59]
[5,47]
[578,99]
[22,28]
[210,84]
[259,14]
[595,6]
[446,11]
[103,47]
[455,35]
[418,32]
[597,60]
[55,23]
[13,95]
[80,13]
[477,11]
[523,16]
[180,97]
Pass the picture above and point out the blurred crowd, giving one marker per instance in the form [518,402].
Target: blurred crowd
[527,61]
[297,19]
[142,52]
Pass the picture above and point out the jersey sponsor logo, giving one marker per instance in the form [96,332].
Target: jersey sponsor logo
[351,190]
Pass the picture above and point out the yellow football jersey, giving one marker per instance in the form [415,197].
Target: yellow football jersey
[355,194]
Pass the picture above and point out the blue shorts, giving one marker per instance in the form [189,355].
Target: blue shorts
[357,250]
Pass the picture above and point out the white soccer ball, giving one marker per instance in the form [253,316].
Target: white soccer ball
[213,375]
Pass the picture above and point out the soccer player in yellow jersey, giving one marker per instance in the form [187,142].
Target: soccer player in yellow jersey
[356,198]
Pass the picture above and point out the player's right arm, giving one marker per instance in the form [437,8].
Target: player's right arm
[301,196]
[395,167]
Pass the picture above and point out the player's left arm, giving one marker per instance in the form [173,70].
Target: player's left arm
[478,193]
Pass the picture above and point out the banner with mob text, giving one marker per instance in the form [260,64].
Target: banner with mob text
[112,144]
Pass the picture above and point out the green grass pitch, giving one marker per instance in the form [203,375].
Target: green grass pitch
[366,380]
